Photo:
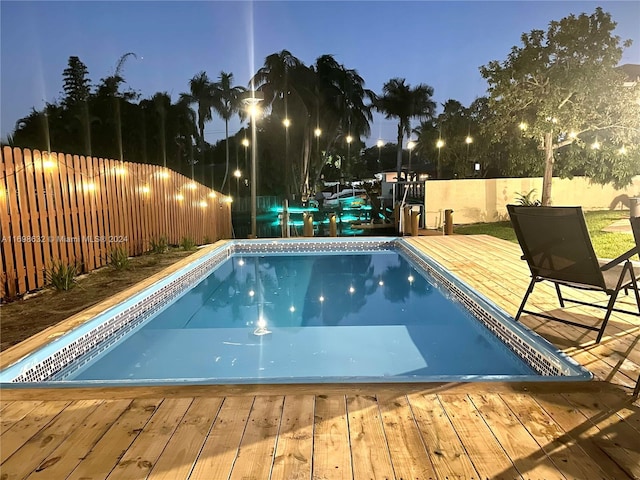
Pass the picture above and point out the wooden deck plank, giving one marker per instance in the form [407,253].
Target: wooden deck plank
[446,452]
[369,450]
[408,454]
[27,427]
[484,451]
[257,447]
[104,455]
[568,457]
[64,459]
[623,406]
[576,426]
[37,448]
[294,451]
[16,411]
[177,459]
[616,437]
[528,458]
[331,447]
[221,446]
[143,453]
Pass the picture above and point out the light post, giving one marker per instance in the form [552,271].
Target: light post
[410,145]
[439,145]
[317,132]
[287,123]
[251,100]
[380,144]
[245,144]
[237,174]
[469,141]
[349,140]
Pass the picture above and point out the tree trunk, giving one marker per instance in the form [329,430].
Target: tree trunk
[548,169]
[226,144]
[306,155]
[399,152]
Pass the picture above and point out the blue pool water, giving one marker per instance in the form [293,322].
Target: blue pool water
[319,318]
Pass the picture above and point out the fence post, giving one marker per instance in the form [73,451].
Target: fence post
[448,222]
[333,228]
[285,219]
[406,220]
[307,229]
[415,220]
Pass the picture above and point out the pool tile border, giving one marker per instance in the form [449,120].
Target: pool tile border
[77,353]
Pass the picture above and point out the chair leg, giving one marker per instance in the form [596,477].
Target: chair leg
[634,283]
[526,296]
[612,301]
[636,390]
[560,299]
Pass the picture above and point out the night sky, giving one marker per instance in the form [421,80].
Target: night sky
[441,44]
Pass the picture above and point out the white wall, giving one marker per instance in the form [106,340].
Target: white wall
[485,200]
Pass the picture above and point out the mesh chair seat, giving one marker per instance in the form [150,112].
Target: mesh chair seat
[612,275]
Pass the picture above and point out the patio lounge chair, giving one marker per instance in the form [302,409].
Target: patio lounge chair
[635,228]
[556,245]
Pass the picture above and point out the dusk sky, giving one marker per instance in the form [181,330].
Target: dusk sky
[441,44]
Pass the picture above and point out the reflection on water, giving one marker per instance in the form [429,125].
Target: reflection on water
[304,291]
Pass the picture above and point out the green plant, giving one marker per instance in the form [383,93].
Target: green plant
[159,245]
[206,240]
[527,200]
[62,275]
[119,258]
[188,244]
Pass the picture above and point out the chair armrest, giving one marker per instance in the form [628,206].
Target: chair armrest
[625,256]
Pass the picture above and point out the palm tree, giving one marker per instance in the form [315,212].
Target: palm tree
[186,120]
[273,79]
[400,101]
[200,93]
[226,102]
[342,108]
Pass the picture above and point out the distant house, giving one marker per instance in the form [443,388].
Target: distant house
[633,74]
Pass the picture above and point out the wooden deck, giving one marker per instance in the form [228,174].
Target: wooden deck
[384,431]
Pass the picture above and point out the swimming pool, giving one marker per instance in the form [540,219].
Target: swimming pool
[299,311]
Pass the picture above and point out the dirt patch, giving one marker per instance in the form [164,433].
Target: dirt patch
[23,318]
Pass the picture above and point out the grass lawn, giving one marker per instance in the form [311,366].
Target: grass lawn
[606,244]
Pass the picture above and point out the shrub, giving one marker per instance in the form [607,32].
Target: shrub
[119,258]
[206,240]
[527,200]
[188,244]
[159,245]
[62,275]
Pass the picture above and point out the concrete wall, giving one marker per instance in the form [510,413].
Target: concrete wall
[484,200]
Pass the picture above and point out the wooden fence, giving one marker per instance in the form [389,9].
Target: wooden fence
[74,209]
